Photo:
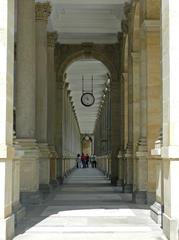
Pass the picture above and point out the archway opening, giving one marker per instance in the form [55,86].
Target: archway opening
[87,76]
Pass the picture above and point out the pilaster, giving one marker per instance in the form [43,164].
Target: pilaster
[170,148]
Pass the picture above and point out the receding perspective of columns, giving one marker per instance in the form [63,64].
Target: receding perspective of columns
[51,40]
[67,130]
[25,142]
[102,148]
[42,11]
[115,129]
[6,119]
[170,149]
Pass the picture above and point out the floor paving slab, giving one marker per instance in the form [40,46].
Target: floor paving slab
[87,207]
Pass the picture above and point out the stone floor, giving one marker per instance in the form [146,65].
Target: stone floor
[87,207]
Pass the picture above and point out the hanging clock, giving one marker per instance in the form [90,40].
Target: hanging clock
[87,99]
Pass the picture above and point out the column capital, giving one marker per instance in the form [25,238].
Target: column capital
[52,39]
[42,11]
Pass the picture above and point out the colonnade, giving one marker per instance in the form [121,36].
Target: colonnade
[30,160]
[150,60]
[47,133]
[102,132]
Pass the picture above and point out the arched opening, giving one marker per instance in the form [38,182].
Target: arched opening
[88,75]
[87,147]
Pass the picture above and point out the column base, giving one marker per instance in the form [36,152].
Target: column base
[114,181]
[120,182]
[60,180]
[170,227]
[7,228]
[156,212]
[54,183]
[53,163]
[151,198]
[30,198]
[120,185]
[44,164]
[45,188]
[19,213]
[139,197]
[29,165]
[128,188]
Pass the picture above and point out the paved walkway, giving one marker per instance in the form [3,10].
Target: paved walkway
[87,207]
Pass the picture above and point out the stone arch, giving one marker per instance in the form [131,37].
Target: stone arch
[107,54]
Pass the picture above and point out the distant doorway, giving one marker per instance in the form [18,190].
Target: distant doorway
[87,145]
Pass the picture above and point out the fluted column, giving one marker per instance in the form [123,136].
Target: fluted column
[6,119]
[25,144]
[170,149]
[51,104]
[42,11]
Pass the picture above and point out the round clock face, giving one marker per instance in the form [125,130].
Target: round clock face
[87,99]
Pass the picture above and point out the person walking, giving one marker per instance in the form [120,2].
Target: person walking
[93,160]
[87,160]
[83,160]
[78,160]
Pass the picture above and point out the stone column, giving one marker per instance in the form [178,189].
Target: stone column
[140,192]
[133,121]
[115,129]
[59,143]
[129,148]
[122,129]
[125,78]
[25,144]
[6,119]
[153,48]
[42,11]
[170,149]
[51,105]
